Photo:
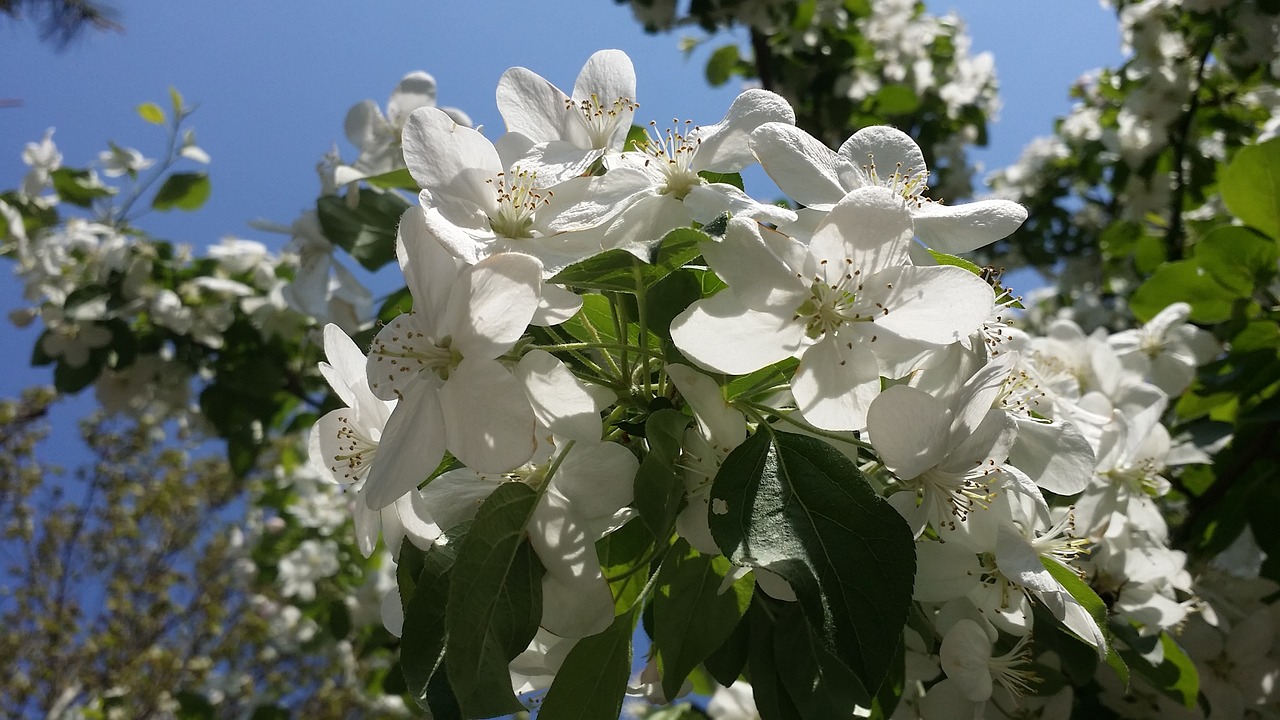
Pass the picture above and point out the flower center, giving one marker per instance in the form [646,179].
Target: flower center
[672,154]
[602,120]
[518,200]
[1020,394]
[831,305]
[413,352]
[912,188]
[1010,670]
[355,451]
[953,494]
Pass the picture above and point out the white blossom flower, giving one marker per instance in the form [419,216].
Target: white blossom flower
[123,161]
[300,568]
[440,361]
[569,133]
[879,156]
[1167,349]
[828,304]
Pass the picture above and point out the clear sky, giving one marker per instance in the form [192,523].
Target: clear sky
[273,81]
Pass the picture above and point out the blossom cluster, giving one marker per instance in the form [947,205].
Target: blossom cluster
[1021,464]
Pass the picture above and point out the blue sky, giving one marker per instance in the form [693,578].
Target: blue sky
[274,80]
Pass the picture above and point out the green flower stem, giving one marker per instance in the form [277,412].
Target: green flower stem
[619,313]
[567,347]
[653,579]
[761,410]
[595,335]
[638,273]
[586,361]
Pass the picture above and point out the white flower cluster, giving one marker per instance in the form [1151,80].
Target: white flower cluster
[981,432]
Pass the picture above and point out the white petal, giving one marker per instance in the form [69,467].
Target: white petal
[938,305]
[890,149]
[415,90]
[412,446]
[726,426]
[964,655]
[725,147]
[492,303]
[909,430]
[1019,562]
[346,366]
[597,479]
[555,306]
[759,278]
[1056,455]
[609,76]
[580,603]
[955,229]
[530,105]
[454,497]
[870,227]
[560,400]
[801,165]
[836,382]
[449,159]
[363,123]
[720,334]
[429,269]
[490,423]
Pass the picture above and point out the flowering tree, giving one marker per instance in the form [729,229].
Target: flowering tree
[809,454]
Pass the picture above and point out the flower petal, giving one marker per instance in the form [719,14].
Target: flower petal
[836,382]
[909,430]
[412,446]
[560,401]
[726,146]
[530,104]
[491,304]
[804,168]
[955,229]
[449,159]
[490,422]
[721,334]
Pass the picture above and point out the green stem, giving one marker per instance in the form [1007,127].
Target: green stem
[586,361]
[637,272]
[644,352]
[760,410]
[619,313]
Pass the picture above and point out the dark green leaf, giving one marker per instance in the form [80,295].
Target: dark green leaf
[423,638]
[193,706]
[184,191]
[368,231]
[1250,186]
[691,617]
[726,662]
[798,506]
[620,552]
[68,378]
[773,702]
[659,486]
[670,297]
[269,712]
[616,269]
[495,602]
[818,683]
[78,187]
[593,678]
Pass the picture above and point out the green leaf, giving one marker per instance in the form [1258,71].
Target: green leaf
[193,706]
[1238,258]
[798,506]
[152,113]
[721,64]
[1093,605]
[691,617]
[269,712]
[620,552]
[495,602]
[368,231]
[1176,676]
[734,179]
[615,270]
[79,187]
[593,679]
[773,702]
[175,102]
[896,100]
[1250,186]
[69,379]
[944,259]
[659,486]
[671,296]
[818,683]
[423,638]
[726,662]
[1183,281]
[184,191]
[394,180]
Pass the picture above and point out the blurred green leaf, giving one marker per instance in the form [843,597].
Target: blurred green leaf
[184,191]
